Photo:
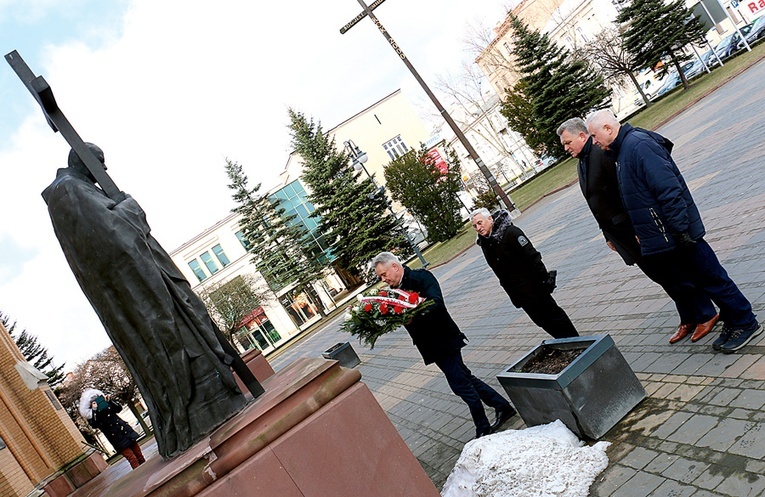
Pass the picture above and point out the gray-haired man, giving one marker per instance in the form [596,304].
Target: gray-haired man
[520,270]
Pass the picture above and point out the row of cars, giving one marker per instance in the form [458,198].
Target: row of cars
[727,47]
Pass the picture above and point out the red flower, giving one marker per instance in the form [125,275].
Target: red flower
[382,293]
[383,308]
[414,297]
[367,307]
[398,309]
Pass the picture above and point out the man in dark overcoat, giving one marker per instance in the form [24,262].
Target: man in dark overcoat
[440,341]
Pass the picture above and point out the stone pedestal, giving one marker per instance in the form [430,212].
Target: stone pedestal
[317,431]
[258,366]
[590,395]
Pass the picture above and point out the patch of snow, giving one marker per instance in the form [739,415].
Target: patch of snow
[541,461]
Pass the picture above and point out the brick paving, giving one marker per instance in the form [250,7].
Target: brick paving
[700,430]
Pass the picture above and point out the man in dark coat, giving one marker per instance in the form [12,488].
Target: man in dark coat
[122,437]
[597,180]
[159,326]
[440,341]
[520,270]
[668,224]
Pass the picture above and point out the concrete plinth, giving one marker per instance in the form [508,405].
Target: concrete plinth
[316,431]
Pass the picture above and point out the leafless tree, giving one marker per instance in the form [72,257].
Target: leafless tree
[231,301]
[615,63]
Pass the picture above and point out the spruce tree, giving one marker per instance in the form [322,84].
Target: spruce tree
[281,251]
[414,180]
[559,85]
[656,30]
[353,215]
[34,353]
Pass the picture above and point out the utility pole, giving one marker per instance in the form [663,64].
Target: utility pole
[456,129]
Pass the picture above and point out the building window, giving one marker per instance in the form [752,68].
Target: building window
[198,272]
[293,199]
[395,148]
[257,331]
[243,240]
[218,251]
[209,262]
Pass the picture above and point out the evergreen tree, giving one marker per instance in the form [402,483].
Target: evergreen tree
[655,30]
[281,250]
[558,85]
[353,215]
[34,353]
[429,193]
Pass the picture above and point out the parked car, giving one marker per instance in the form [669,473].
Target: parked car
[730,44]
[697,67]
[755,34]
[671,81]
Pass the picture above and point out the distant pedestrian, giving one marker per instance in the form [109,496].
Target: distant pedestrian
[521,272]
[440,341]
[101,413]
[600,187]
[668,224]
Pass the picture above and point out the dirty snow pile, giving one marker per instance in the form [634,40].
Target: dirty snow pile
[542,461]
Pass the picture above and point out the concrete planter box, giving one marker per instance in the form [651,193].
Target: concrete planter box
[590,395]
[344,354]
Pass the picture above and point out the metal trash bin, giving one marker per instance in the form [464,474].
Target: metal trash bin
[344,354]
[590,395]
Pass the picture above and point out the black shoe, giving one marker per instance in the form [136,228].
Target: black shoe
[502,416]
[723,338]
[483,433]
[740,337]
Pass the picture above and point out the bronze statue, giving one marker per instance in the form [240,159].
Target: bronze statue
[177,355]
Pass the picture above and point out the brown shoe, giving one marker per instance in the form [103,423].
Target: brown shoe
[682,331]
[703,329]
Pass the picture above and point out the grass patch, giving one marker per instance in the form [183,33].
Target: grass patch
[564,173]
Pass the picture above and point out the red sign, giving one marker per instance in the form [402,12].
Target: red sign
[437,160]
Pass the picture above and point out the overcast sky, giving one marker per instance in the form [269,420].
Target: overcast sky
[169,89]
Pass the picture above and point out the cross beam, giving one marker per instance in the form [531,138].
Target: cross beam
[42,92]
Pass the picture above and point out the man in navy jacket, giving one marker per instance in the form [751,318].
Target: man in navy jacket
[668,224]
[440,341]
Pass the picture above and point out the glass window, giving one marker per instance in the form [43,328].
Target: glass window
[243,240]
[200,274]
[209,262]
[395,148]
[218,251]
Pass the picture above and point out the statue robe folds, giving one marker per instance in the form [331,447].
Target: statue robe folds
[157,323]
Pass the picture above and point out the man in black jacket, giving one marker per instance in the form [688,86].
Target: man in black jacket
[440,341]
[520,270]
[600,187]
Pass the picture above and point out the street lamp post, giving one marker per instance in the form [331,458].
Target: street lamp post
[359,159]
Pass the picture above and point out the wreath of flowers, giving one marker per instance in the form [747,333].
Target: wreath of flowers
[382,311]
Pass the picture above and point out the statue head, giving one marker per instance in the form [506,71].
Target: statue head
[78,165]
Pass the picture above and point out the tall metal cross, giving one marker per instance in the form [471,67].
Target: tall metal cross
[456,129]
[42,92]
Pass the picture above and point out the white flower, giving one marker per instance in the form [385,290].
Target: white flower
[347,316]
[359,297]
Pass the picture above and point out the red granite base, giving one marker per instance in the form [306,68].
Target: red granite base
[258,366]
[316,431]
[76,475]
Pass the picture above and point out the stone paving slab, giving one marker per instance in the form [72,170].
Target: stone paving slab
[700,430]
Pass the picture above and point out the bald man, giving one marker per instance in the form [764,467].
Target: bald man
[668,224]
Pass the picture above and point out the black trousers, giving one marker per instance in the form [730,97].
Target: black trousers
[471,390]
[545,312]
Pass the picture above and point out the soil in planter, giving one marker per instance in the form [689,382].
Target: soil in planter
[551,361]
